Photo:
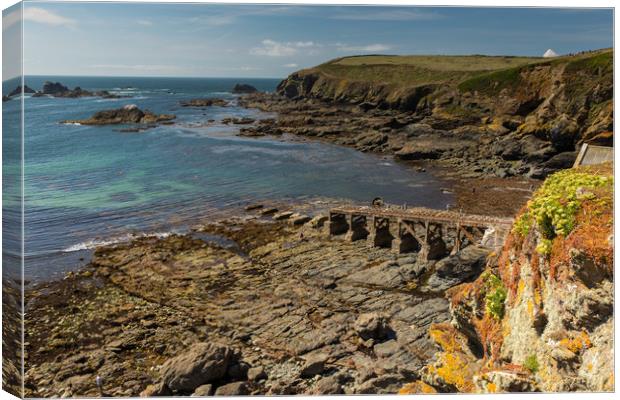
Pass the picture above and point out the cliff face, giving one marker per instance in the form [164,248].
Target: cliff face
[536,109]
[540,318]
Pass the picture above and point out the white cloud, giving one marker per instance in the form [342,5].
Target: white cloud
[305,44]
[144,22]
[291,65]
[386,15]
[35,14]
[377,47]
[274,48]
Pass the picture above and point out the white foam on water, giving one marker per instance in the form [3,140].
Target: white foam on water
[94,243]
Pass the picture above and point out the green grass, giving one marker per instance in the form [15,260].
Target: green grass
[531,363]
[416,70]
[474,63]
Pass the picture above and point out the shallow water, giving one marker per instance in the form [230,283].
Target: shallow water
[90,185]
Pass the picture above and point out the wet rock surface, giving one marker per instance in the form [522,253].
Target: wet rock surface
[204,103]
[283,314]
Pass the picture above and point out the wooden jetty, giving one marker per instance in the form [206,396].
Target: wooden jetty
[432,233]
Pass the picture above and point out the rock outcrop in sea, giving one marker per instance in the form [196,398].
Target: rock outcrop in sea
[18,91]
[244,88]
[129,114]
[57,89]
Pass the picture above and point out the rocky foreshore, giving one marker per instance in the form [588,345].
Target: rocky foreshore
[473,150]
[264,303]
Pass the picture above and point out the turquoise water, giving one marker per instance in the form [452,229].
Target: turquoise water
[86,185]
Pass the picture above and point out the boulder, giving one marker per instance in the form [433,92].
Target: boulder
[466,265]
[159,389]
[372,326]
[233,389]
[256,374]
[314,365]
[203,390]
[202,363]
[328,385]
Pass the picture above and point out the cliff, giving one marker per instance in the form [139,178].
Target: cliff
[529,114]
[540,318]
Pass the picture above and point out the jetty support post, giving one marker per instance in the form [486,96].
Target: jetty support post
[405,240]
[380,235]
[337,223]
[433,247]
[357,227]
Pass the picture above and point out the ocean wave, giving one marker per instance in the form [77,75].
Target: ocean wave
[72,123]
[94,243]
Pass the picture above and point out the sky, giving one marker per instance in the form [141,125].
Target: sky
[202,40]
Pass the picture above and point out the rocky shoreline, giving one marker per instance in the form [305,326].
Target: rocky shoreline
[284,309]
[409,137]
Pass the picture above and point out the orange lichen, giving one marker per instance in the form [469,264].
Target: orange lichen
[491,387]
[491,336]
[455,366]
[577,343]
[417,387]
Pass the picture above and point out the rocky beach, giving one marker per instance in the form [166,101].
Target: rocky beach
[284,308]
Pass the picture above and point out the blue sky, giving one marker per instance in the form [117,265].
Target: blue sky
[275,40]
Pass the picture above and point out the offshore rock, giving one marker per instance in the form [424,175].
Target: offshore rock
[242,88]
[129,114]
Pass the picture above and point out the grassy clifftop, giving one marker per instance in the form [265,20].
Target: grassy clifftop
[416,70]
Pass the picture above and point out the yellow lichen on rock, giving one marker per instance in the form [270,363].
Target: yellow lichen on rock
[417,387]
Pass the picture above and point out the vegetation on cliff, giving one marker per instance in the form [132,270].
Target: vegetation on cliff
[538,320]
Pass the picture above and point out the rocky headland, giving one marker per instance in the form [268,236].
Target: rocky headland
[129,114]
[483,116]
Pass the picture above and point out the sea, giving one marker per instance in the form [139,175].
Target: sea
[86,186]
